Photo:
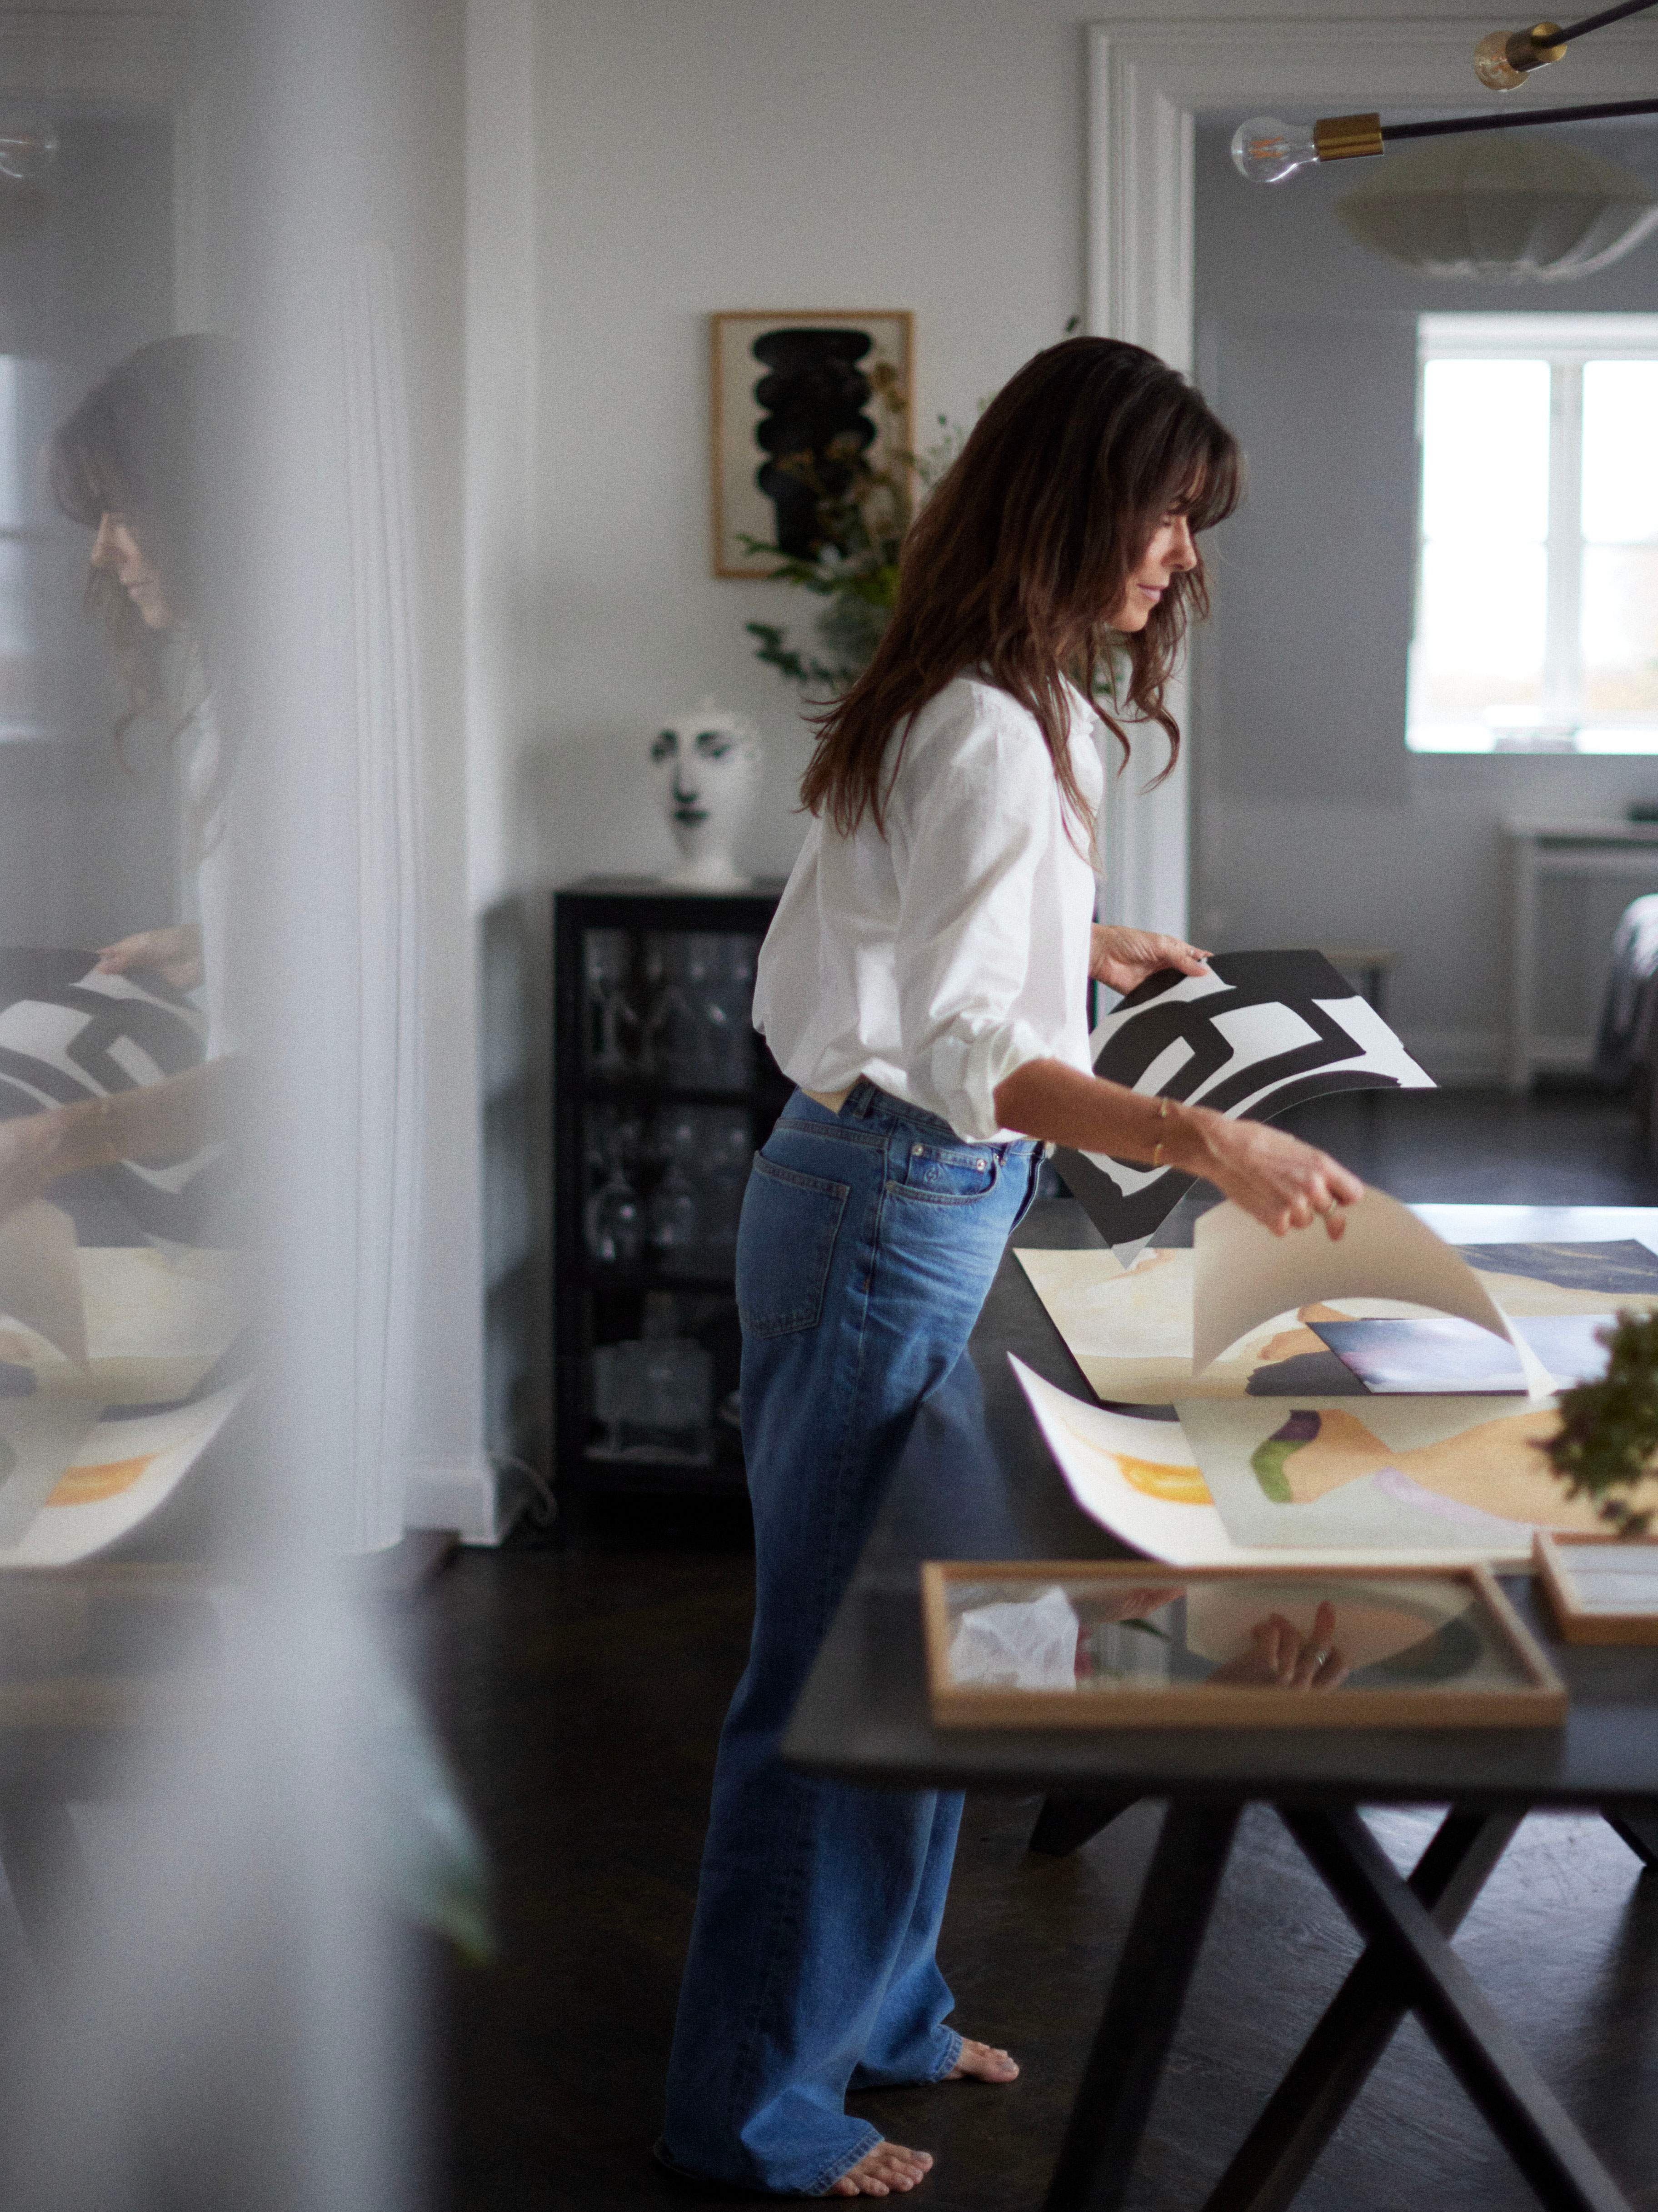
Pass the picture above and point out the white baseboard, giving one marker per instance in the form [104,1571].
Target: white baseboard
[1464,1058]
[473,1496]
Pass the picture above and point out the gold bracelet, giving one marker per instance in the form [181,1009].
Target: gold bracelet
[1156,1149]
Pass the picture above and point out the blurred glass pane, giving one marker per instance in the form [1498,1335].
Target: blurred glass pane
[1620,452]
[1620,628]
[14,625]
[22,703]
[1479,627]
[13,501]
[1484,453]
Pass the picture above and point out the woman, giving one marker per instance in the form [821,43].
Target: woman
[133,463]
[924,984]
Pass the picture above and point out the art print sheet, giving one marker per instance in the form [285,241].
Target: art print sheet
[107,1477]
[99,1347]
[1461,1477]
[1261,1032]
[1129,1328]
[1262,1464]
[1141,1480]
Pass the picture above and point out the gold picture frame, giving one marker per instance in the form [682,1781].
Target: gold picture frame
[1441,1647]
[1607,1614]
[740,509]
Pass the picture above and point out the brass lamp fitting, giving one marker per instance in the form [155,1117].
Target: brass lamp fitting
[1343,137]
[1503,59]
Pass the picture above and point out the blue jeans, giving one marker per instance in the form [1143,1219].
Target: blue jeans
[868,1239]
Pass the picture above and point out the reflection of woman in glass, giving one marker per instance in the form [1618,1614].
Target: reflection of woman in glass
[132,463]
[925,983]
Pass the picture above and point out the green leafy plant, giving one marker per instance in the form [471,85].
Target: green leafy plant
[861,521]
[1608,1440]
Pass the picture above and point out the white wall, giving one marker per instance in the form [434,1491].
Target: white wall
[736,153]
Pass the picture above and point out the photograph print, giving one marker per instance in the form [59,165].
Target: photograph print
[804,400]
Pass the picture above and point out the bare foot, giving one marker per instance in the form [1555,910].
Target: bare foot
[982,2062]
[880,2170]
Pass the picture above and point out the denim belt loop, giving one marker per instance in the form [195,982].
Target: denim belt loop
[866,1100]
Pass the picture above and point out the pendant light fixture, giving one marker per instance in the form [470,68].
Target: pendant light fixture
[1267,152]
[1502,210]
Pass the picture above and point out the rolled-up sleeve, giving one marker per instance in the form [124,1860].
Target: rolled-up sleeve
[972,836]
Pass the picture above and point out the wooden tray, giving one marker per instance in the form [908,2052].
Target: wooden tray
[1582,1613]
[1064,1644]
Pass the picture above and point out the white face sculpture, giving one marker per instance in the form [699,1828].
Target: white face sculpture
[707,765]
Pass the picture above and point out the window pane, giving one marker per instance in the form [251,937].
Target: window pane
[1620,452]
[1620,628]
[1485,451]
[1479,629]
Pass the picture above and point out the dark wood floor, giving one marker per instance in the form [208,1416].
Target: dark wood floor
[580,1690]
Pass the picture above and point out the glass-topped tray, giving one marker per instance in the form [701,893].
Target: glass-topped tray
[1073,1644]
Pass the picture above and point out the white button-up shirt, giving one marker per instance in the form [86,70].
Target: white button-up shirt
[939,957]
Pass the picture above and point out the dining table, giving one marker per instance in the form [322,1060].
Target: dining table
[975,1483]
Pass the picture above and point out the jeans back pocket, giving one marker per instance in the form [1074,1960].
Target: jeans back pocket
[784,1247]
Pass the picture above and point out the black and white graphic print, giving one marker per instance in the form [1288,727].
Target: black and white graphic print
[1261,1032]
[68,1034]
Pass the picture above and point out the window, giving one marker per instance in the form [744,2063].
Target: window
[1537,580]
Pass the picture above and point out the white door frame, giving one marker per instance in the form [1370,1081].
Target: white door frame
[1148,81]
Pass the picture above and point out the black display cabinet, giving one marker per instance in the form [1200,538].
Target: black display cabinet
[662,1094]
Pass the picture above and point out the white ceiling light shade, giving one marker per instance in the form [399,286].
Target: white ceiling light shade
[1507,208]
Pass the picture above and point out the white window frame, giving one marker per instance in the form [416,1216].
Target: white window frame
[1565,341]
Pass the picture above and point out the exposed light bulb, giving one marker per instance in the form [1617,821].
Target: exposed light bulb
[27,150]
[1267,151]
[1503,59]
[1491,64]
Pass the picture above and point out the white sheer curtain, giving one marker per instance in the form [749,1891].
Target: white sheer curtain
[388,828]
[223,2018]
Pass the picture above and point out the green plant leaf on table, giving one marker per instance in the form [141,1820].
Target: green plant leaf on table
[1608,1440]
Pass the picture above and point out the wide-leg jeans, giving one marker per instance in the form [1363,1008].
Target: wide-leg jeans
[868,1240]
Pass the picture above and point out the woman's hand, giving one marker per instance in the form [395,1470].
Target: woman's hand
[175,954]
[1282,1182]
[32,1149]
[1278,1659]
[1123,958]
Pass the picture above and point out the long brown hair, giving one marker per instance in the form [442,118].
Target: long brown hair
[140,446]
[1022,553]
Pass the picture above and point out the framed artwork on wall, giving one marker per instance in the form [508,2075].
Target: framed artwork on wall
[800,399]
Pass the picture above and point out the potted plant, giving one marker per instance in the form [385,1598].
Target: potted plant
[861,517]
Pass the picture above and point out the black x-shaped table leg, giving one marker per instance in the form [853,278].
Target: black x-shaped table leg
[1408,1966]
